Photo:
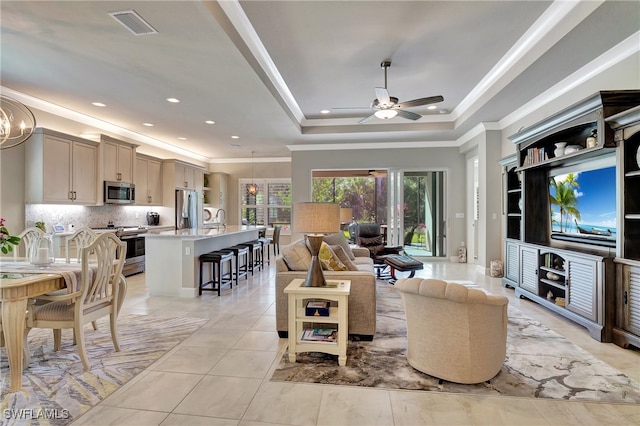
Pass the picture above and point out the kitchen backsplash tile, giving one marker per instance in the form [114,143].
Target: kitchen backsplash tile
[93,216]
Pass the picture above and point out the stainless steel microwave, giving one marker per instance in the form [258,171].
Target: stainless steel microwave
[119,193]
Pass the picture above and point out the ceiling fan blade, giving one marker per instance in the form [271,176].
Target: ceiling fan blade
[421,101]
[358,108]
[383,96]
[364,120]
[408,115]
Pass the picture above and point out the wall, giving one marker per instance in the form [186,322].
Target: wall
[448,159]
[12,188]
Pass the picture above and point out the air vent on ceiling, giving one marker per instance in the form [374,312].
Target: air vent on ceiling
[133,22]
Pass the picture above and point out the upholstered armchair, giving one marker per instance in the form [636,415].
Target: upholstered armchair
[370,237]
[454,333]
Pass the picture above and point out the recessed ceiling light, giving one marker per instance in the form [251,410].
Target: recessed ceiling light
[173,100]
[432,107]
[444,111]
[235,137]
[148,124]
[325,111]
[98,104]
[182,138]
[210,122]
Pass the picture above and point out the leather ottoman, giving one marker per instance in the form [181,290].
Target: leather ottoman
[402,263]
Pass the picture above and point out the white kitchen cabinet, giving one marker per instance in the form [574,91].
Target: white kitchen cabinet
[118,159]
[148,180]
[215,190]
[61,169]
[179,175]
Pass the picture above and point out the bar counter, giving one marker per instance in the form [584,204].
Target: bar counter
[171,257]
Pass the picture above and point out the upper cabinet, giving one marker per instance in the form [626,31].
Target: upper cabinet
[118,159]
[215,190]
[61,169]
[148,180]
[180,175]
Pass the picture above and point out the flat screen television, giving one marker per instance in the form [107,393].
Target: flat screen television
[582,198]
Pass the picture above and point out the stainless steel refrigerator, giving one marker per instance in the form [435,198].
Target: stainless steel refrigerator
[186,209]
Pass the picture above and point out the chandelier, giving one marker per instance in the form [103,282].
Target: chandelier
[252,188]
[16,122]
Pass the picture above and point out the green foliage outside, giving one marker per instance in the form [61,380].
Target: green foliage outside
[563,195]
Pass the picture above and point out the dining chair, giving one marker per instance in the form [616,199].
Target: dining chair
[29,237]
[97,296]
[81,238]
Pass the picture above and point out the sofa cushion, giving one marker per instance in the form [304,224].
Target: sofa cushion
[338,238]
[344,258]
[329,260]
[297,256]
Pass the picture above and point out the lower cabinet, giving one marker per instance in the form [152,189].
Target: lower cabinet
[573,284]
[626,330]
[511,264]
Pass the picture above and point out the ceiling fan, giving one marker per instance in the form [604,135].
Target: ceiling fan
[387,107]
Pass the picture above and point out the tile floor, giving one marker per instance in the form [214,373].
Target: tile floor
[220,375]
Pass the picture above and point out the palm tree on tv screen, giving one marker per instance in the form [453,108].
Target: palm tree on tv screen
[564,196]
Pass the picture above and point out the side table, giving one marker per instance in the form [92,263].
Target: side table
[337,291]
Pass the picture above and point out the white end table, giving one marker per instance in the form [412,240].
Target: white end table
[336,290]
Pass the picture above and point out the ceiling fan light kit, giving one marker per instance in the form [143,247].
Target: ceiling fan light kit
[385,114]
[386,107]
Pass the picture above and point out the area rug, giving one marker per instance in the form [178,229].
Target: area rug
[56,389]
[539,364]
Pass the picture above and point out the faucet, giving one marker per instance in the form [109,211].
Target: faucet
[218,218]
[224,216]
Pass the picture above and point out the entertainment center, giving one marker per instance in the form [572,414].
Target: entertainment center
[562,251]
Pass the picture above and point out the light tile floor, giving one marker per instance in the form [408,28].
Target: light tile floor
[220,375]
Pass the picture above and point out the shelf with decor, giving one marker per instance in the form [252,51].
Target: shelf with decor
[626,327]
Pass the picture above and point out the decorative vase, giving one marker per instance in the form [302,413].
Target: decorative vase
[559,151]
[592,140]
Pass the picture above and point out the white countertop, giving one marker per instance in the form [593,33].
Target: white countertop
[201,233]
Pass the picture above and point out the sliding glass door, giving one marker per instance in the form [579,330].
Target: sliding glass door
[417,202]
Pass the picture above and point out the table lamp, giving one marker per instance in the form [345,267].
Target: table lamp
[346,214]
[316,219]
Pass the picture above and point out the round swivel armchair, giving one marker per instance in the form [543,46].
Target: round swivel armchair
[454,333]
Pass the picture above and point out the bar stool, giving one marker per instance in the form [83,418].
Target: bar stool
[266,243]
[218,260]
[241,270]
[255,255]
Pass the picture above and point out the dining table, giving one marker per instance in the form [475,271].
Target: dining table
[19,282]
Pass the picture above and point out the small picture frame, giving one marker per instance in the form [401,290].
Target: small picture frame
[58,228]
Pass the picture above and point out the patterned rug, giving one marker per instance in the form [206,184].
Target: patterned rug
[539,364]
[56,389]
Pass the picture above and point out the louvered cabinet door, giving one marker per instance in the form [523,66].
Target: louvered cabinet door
[529,269]
[631,299]
[511,267]
[582,280]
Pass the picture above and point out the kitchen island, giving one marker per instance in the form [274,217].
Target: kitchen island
[172,266]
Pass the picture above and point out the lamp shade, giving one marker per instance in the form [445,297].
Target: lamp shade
[320,218]
[346,214]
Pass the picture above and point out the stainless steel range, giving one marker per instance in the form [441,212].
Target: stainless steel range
[132,236]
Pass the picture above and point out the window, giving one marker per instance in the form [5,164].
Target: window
[271,205]
[365,191]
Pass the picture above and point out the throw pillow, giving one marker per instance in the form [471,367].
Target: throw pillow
[339,251]
[329,260]
[297,256]
[338,238]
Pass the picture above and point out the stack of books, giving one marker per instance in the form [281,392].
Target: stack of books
[319,335]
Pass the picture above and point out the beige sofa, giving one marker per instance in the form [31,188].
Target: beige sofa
[454,333]
[362,299]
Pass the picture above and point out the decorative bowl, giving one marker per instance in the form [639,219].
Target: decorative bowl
[570,149]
